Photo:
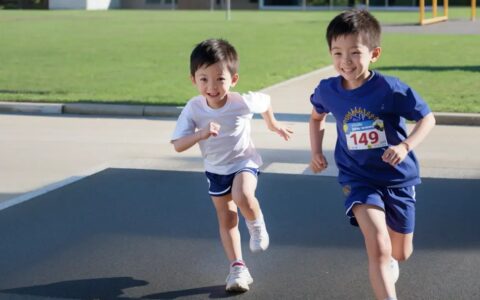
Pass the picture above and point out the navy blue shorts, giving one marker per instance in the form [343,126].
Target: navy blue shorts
[220,185]
[397,203]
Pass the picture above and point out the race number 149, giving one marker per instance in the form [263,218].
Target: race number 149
[364,138]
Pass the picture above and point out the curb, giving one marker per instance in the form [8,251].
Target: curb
[91,109]
[465,119]
[31,108]
[125,110]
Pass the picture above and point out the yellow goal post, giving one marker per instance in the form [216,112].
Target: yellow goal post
[474,10]
[435,18]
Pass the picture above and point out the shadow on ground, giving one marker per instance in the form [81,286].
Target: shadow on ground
[98,288]
[294,117]
[107,288]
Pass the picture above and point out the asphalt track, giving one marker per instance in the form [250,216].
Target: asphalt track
[152,234]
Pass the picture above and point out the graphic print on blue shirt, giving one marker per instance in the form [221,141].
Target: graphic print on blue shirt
[370,119]
[363,130]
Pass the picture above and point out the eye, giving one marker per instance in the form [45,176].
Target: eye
[203,79]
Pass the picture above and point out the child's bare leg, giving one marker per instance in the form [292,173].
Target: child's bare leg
[243,193]
[371,220]
[402,245]
[228,225]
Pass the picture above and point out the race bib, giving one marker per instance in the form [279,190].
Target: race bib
[365,135]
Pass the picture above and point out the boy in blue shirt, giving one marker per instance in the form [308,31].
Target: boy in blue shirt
[377,168]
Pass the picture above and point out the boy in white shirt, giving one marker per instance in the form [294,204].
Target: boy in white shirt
[219,121]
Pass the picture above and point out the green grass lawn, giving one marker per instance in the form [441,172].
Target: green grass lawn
[142,56]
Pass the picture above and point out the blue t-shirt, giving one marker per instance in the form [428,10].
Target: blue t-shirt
[369,120]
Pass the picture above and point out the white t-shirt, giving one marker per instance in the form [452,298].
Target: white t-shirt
[232,149]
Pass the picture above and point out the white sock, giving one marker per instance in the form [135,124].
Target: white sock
[238,262]
[258,221]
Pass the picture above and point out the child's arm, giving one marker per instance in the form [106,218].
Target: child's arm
[317,129]
[395,154]
[188,141]
[273,125]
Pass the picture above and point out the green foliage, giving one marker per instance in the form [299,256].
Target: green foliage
[24,4]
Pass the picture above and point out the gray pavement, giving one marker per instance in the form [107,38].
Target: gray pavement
[452,26]
[94,206]
[140,234]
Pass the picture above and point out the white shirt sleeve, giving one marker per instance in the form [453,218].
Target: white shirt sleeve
[257,102]
[185,124]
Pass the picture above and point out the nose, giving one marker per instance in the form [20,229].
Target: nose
[211,86]
[347,59]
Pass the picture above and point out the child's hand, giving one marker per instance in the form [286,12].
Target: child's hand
[212,130]
[395,154]
[283,131]
[318,163]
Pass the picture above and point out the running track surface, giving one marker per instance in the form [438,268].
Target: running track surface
[152,234]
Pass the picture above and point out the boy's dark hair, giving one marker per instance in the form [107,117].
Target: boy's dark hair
[355,21]
[210,52]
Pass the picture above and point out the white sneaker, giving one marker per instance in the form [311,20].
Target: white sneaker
[394,269]
[238,279]
[259,239]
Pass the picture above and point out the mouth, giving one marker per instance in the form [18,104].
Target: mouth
[348,70]
[213,95]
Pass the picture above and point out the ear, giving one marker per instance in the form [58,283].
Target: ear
[375,54]
[192,78]
[235,78]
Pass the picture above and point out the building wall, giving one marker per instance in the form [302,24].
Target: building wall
[103,4]
[188,4]
[66,4]
[83,4]
[244,4]
[205,4]
[143,4]
[192,4]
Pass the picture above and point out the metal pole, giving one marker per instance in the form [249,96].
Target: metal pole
[212,4]
[228,11]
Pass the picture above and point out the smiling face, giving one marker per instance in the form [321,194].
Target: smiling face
[214,82]
[351,59]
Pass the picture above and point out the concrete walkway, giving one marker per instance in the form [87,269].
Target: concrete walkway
[48,149]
